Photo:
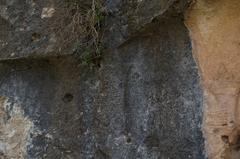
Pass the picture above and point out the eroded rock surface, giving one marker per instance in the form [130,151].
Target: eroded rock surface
[143,100]
[214,28]
[15,131]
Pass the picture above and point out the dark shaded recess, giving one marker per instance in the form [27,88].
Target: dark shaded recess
[143,103]
[5,28]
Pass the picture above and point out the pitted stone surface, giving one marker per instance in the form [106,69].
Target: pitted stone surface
[143,100]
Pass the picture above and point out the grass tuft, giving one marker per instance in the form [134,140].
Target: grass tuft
[79,23]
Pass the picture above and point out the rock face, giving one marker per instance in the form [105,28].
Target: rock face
[142,101]
[215,35]
[15,130]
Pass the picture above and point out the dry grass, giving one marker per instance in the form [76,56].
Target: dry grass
[79,23]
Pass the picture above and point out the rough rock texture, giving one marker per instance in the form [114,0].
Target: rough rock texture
[14,130]
[214,27]
[24,29]
[143,101]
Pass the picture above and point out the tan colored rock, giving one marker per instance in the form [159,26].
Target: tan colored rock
[215,31]
[14,131]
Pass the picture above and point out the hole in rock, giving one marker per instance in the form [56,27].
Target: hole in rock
[129,140]
[35,36]
[68,97]
[225,139]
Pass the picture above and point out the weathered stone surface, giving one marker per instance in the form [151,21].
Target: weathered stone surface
[143,101]
[21,21]
[214,28]
[15,130]
[26,25]
[129,17]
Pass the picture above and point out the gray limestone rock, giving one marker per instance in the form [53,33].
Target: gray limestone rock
[143,100]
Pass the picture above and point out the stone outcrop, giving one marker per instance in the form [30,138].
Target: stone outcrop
[214,28]
[142,99]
